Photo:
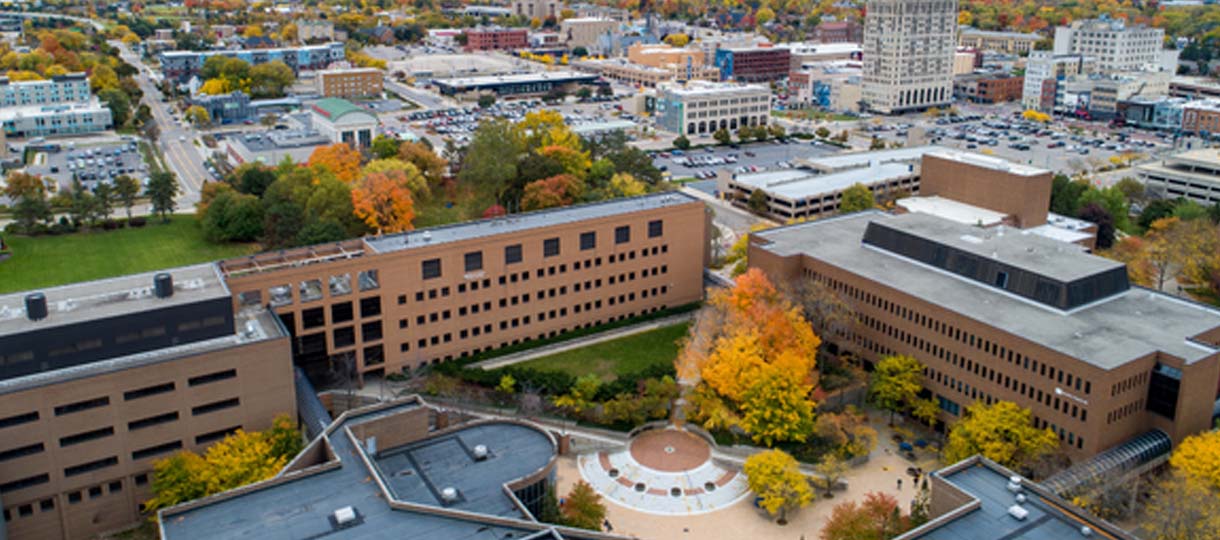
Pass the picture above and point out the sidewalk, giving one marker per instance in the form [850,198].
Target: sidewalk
[547,350]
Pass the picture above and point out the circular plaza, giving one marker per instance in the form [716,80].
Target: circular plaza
[665,471]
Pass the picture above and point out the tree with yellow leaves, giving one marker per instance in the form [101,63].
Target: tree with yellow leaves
[340,159]
[677,40]
[895,384]
[1002,432]
[384,202]
[574,162]
[1036,116]
[776,478]
[625,185]
[1198,457]
[776,408]
[252,31]
[215,87]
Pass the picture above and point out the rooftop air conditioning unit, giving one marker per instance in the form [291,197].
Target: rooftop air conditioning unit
[449,495]
[1086,531]
[1017,512]
[480,452]
[345,516]
[1014,483]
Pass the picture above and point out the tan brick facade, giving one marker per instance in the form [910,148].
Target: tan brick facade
[348,83]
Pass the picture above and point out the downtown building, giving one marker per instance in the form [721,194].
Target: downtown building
[69,88]
[350,82]
[180,66]
[908,54]
[753,64]
[701,107]
[1115,45]
[100,379]
[1010,309]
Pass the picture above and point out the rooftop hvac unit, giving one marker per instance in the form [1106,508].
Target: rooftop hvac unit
[36,306]
[1014,484]
[1017,512]
[345,516]
[480,452]
[449,495]
[1086,531]
[163,285]
[427,236]
[1020,498]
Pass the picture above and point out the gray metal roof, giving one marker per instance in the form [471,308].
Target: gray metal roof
[103,298]
[801,184]
[1107,333]
[522,222]
[302,506]
[987,483]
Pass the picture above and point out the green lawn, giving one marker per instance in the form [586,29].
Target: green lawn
[624,355]
[46,261]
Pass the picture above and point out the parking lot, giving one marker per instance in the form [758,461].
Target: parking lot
[92,165]
[704,163]
[459,123]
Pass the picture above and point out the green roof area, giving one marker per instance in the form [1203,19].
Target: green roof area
[335,108]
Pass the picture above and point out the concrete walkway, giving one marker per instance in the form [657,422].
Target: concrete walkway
[547,350]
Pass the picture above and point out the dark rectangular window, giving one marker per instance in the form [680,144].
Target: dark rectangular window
[370,306]
[1163,388]
[212,377]
[156,450]
[313,318]
[512,254]
[152,421]
[371,331]
[216,435]
[473,261]
[215,406]
[19,419]
[341,312]
[24,483]
[622,235]
[86,436]
[148,391]
[344,337]
[27,450]
[588,240]
[655,228]
[432,268]
[82,406]
[550,247]
[374,355]
[141,479]
[91,466]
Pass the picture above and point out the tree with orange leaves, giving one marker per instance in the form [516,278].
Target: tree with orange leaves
[384,202]
[340,159]
[751,358]
[558,190]
[878,517]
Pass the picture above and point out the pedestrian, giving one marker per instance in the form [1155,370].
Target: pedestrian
[899,484]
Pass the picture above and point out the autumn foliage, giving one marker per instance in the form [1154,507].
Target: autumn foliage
[558,190]
[384,201]
[877,517]
[751,356]
[340,159]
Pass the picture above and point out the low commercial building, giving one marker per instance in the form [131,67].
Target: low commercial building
[988,87]
[640,75]
[180,66]
[1194,175]
[830,85]
[100,379]
[1044,70]
[986,40]
[70,88]
[802,54]
[314,31]
[496,39]
[838,32]
[403,469]
[977,498]
[753,64]
[1161,114]
[804,194]
[1109,91]
[1202,116]
[225,108]
[585,32]
[50,120]
[1194,88]
[350,82]
[701,108]
[520,85]
[342,121]
[401,301]
[664,56]
[271,147]
[994,313]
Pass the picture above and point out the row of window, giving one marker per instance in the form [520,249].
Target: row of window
[975,394]
[1125,411]
[1017,359]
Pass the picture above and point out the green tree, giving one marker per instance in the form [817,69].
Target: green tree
[252,178]
[269,79]
[104,197]
[583,508]
[682,143]
[126,189]
[822,132]
[777,131]
[723,136]
[776,478]
[119,104]
[876,144]
[490,163]
[856,198]
[580,397]
[384,147]
[584,93]
[83,205]
[1113,200]
[830,470]
[758,201]
[1065,195]
[1131,188]
[487,100]
[162,188]
[233,217]
[1002,432]
[29,195]
[197,116]
[895,383]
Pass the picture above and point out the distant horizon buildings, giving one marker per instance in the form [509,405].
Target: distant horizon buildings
[908,54]
[1115,45]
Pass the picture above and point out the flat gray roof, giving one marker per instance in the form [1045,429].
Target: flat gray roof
[797,184]
[853,160]
[522,222]
[1106,334]
[1046,519]
[103,298]
[302,507]
[493,80]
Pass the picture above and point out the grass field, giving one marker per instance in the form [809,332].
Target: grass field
[46,261]
[624,355]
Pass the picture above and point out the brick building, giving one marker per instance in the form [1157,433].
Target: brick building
[496,39]
[350,83]
[100,379]
[997,313]
[988,88]
[838,32]
[400,301]
[1201,116]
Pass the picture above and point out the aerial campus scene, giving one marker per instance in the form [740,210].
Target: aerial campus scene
[603,270]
